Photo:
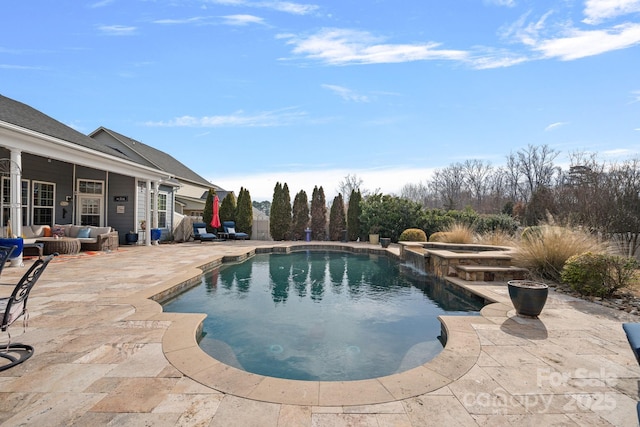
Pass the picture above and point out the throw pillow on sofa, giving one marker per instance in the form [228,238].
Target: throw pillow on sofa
[83,233]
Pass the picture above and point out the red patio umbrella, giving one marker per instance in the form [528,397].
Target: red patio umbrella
[215,219]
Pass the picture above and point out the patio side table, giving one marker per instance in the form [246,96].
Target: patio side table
[62,245]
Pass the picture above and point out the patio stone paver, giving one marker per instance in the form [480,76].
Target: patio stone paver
[107,355]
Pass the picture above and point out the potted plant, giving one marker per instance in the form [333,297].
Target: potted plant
[131,238]
[374,236]
[528,296]
[385,241]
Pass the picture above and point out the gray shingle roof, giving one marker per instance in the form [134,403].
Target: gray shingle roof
[24,116]
[159,159]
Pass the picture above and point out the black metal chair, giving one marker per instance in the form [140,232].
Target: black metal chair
[14,307]
[5,253]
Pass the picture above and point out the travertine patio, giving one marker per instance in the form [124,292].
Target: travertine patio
[106,355]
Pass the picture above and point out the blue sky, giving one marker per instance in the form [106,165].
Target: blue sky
[248,93]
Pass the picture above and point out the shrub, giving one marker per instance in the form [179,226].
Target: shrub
[412,235]
[598,274]
[496,238]
[454,233]
[459,233]
[546,248]
[438,236]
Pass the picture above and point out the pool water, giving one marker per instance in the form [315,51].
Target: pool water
[323,316]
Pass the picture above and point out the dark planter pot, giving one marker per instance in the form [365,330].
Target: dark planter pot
[156,233]
[131,238]
[528,297]
[13,241]
[385,241]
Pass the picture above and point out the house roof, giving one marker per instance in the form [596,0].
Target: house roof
[24,116]
[157,158]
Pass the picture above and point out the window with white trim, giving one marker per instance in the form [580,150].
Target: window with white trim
[162,210]
[43,196]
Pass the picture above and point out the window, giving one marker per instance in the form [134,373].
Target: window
[90,202]
[43,196]
[6,201]
[162,210]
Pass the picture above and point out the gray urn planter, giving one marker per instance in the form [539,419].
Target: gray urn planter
[528,297]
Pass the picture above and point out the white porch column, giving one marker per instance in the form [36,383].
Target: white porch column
[147,232]
[15,209]
[154,206]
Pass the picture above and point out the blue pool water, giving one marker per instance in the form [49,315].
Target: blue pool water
[325,316]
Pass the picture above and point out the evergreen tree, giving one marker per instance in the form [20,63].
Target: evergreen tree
[318,214]
[228,208]
[337,221]
[280,215]
[244,212]
[300,216]
[353,215]
[207,213]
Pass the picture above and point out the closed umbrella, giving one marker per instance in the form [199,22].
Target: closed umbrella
[215,219]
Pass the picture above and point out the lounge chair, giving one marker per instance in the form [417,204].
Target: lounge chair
[200,233]
[14,307]
[230,230]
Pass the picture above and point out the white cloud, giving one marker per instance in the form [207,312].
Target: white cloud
[337,46]
[579,44]
[636,96]
[239,20]
[280,6]
[346,93]
[597,11]
[387,180]
[117,30]
[193,20]
[556,125]
[282,117]
[100,4]
[507,3]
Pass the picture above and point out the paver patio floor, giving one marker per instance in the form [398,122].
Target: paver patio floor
[106,355]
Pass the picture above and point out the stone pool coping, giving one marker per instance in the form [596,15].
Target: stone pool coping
[180,347]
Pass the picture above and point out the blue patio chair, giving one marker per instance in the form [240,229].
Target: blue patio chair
[5,253]
[200,233]
[230,230]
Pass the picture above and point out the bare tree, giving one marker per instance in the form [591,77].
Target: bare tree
[448,184]
[476,177]
[535,163]
[348,185]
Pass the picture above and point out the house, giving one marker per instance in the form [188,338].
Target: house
[52,174]
[191,192]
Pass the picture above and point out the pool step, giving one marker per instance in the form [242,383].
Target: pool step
[490,273]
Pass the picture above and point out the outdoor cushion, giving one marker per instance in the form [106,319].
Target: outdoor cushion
[202,231]
[83,233]
[231,230]
[633,336]
[58,231]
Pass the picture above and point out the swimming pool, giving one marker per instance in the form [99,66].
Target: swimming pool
[318,315]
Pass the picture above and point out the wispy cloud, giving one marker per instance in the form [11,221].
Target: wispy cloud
[597,11]
[20,67]
[281,117]
[240,20]
[346,93]
[181,21]
[101,3]
[280,6]
[635,94]
[507,3]
[556,125]
[580,44]
[336,46]
[117,30]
